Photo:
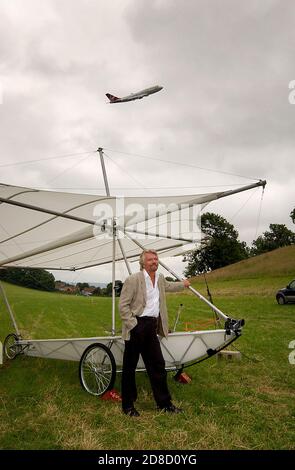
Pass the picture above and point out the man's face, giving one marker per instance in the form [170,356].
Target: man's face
[151,262]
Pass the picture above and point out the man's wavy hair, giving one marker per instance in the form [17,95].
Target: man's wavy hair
[142,256]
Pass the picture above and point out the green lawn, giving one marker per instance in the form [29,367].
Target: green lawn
[247,404]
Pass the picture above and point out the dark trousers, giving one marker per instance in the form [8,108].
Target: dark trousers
[144,341]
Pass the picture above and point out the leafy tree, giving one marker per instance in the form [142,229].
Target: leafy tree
[278,235]
[292,215]
[97,291]
[221,249]
[82,285]
[32,278]
[108,290]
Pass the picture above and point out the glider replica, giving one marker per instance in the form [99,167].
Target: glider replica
[61,231]
[134,96]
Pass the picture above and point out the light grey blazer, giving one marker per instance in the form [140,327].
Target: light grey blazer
[133,301]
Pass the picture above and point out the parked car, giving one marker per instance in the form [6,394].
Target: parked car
[287,294]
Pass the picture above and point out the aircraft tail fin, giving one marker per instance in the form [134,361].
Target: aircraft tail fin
[112,98]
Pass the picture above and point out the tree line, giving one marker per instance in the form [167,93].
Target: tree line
[32,278]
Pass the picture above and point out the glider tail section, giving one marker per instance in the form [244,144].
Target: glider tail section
[112,98]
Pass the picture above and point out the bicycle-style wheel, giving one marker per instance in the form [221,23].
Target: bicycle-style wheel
[11,346]
[97,369]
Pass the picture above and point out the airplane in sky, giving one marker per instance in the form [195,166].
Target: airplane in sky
[134,96]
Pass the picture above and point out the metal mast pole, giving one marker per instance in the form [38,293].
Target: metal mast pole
[105,178]
[114,230]
[114,279]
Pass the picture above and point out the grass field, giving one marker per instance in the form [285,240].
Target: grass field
[247,404]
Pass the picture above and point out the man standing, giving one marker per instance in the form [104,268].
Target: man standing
[144,315]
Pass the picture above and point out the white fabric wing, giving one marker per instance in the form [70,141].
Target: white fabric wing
[55,230]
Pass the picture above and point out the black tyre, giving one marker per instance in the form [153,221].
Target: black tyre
[11,346]
[97,369]
[281,300]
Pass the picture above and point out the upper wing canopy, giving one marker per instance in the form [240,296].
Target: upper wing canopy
[56,230]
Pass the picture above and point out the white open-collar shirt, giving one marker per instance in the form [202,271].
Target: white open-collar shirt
[152,307]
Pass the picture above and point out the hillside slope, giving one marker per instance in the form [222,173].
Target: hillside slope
[280,262]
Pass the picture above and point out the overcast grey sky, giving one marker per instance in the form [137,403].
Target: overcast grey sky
[225,67]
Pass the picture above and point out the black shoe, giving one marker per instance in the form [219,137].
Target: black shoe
[131,412]
[172,409]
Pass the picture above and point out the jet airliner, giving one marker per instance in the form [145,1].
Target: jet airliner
[134,96]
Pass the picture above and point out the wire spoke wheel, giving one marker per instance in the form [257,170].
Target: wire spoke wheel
[11,346]
[97,369]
